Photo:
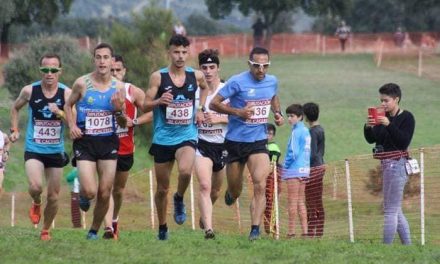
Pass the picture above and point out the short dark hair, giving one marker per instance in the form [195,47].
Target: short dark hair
[103,45]
[258,50]
[311,111]
[271,127]
[295,109]
[392,90]
[119,58]
[51,56]
[207,54]
[178,40]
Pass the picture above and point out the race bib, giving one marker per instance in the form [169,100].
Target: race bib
[99,122]
[121,131]
[47,131]
[261,111]
[179,113]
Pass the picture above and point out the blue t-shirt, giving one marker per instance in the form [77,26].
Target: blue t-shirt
[297,160]
[241,90]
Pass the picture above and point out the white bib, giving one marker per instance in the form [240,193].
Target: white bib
[180,112]
[261,111]
[98,122]
[47,131]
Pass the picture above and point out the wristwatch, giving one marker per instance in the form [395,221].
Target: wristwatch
[135,122]
[202,107]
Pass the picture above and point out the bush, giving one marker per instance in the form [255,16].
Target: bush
[374,184]
[22,69]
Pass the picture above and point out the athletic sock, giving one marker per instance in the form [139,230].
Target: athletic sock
[93,231]
[178,197]
[255,227]
[163,227]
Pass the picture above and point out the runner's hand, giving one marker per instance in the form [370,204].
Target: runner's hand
[166,98]
[75,132]
[246,112]
[279,119]
[118,101]
[14,136]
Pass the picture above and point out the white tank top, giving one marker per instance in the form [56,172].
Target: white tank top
[213,133]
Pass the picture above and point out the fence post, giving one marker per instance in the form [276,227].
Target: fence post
[420,64]
[13,210]
[151,198]
[379,57]
[350,208]
[236,46]
[275,193]
[83,218]
[324,44]
[318,43]
[422,197]
[191,185]
[237,212]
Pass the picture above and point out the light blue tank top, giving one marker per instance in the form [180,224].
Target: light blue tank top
[95,111]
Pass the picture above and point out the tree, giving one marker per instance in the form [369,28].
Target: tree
[28,11]
[271,10]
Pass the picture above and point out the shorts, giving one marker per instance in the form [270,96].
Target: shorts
[96,148]
[58,160]
[240,151]
[125,162]
[214,151]
[163,153]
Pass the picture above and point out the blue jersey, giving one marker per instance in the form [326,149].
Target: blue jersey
[175,123]
[45,131]
[95,111]
[297,160]
[241,90]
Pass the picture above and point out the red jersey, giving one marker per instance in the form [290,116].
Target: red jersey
[126,135]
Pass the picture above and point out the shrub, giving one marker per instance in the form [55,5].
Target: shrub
[374,183]
[22,69]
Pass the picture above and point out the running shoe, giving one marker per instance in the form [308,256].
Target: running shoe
[163,234]
[254,235]
[92,236]
[108,233]
[229,200]
[179,210]
[84,203]
[209,234]
[35,213]
[44,235]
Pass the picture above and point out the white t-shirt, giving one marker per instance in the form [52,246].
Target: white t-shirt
[213,133]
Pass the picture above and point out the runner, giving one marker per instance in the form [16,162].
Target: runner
[99,100]
[44,142]
[171,96]
[210,153]
[134,98]
[252,94]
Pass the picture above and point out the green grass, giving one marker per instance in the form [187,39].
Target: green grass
[21,245]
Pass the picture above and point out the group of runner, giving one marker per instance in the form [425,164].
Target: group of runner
[198,122]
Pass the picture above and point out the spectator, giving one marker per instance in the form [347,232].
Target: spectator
[342,32]
[399,37]
[179,29]
[258,28]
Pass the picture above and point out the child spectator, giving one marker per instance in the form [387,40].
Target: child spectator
[4,155]
[296,169]
[274,156]
[315,207]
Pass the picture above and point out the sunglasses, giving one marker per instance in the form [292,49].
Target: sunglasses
[116,70]
[46,70]
[257,65]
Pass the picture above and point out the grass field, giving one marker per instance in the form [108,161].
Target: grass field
[344,86]
[21,245]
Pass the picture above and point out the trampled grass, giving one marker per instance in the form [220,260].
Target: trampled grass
[21,245]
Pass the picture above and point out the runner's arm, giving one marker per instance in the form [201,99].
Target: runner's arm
[276,108]
[23,98]
[139,98]
[151,92]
